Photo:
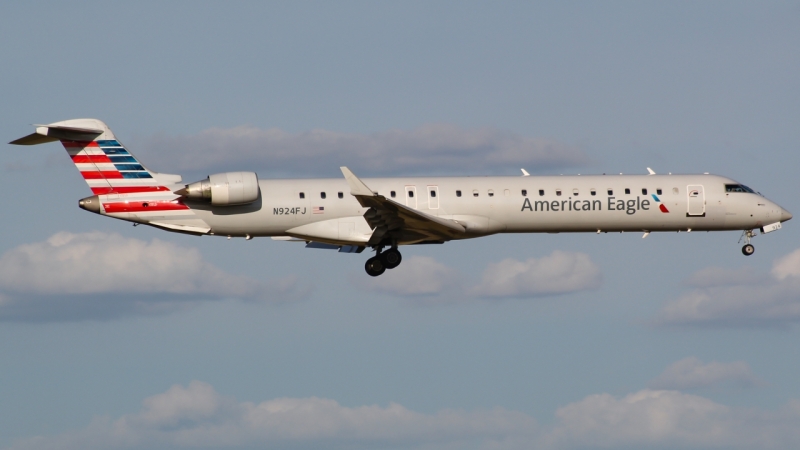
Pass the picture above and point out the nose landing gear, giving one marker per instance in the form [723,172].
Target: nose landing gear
[748,248]
[383,260]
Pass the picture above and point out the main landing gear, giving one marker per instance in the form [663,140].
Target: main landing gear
[748,248]
[383,260]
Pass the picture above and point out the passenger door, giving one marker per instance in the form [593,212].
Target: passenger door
[697,200]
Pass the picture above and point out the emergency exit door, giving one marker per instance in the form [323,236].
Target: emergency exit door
[433,197]
[411,196]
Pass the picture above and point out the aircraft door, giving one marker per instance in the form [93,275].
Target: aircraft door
[411,196]
[433,197]
[697,200]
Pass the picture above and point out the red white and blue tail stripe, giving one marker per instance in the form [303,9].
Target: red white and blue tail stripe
[109,168]
[124,187]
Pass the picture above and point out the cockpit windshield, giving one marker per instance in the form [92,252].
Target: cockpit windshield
[738,188]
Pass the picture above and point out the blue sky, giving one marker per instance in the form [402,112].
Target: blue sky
[266,341]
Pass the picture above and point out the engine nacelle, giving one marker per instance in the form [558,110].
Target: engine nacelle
[221,189]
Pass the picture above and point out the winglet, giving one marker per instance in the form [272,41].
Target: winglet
[525,173]
[357,187]
[650,171]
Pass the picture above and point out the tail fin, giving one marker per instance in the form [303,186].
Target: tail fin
[105,164]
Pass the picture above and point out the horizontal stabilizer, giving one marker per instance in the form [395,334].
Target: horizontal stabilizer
[33,139]
[51,133]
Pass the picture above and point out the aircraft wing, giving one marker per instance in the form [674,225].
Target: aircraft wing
[392,221]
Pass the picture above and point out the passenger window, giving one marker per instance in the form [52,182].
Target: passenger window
[674,190]
[322,195]
[433,193]
[644,191]
[474,192]
[575,192]
[410,193]
[558,191]
[610,192]
[491,193]
[524,192]
[627,191]
[593,192]
[458,193]
[341,195]
[658,191]
[393,194]
[541,192]
[302,195]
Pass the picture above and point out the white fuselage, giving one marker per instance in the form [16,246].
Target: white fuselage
[323,209]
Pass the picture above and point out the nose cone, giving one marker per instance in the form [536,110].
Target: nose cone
[785,215]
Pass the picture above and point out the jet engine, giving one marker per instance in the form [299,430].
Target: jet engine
[222,189]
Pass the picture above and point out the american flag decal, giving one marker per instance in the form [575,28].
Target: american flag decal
[318,210]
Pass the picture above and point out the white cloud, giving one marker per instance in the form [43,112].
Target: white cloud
[691,373]
[787,266]
[416,276]
[559,273]
[670,419]
[197,416]
[432,148]
[99,275]
[427,279]
[739,297]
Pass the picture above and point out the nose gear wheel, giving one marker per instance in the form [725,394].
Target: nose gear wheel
[748,248]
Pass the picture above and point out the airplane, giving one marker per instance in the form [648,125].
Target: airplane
[351,214]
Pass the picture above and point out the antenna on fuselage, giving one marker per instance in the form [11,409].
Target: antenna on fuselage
[525,173]
[650,171]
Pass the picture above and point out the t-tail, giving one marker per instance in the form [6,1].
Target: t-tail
[106,165]
[122,186]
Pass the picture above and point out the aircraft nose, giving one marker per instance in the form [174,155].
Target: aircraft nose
[785,215]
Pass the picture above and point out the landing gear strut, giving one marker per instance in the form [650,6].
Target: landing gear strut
[383,260]
[748,248]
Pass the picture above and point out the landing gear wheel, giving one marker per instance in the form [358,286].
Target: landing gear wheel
[375,266]
[391,258]
[748,250]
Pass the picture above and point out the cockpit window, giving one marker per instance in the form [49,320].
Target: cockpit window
[738,188]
